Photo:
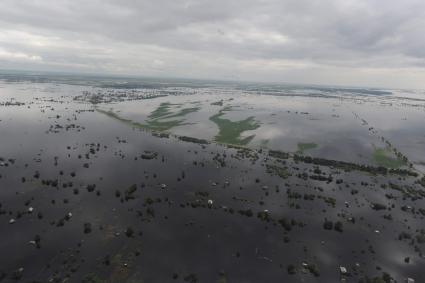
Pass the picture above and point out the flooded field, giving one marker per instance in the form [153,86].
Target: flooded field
[130,180]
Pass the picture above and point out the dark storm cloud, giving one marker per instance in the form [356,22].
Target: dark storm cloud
[181,38]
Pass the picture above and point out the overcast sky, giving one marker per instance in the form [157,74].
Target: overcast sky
[337,42]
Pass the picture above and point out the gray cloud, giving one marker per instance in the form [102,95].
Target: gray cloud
[327,41]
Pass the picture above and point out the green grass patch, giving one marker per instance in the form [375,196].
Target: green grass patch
[382,157]
[163,110]
[302,147]
[161,119]
[230,131]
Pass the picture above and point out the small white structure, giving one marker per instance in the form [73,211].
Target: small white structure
[343,270]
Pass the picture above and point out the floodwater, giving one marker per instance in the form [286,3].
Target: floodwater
[99,182]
